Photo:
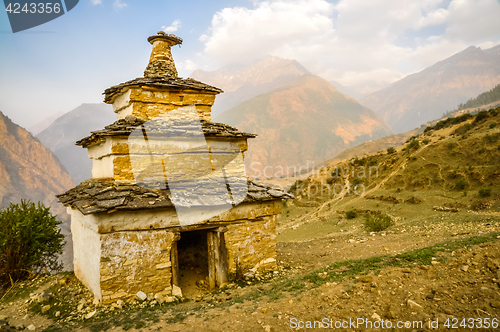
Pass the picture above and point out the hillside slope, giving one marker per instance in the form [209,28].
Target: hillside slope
[302,124]
[28,169]
[374,146]
[425,96]
[241,83]
[61,135]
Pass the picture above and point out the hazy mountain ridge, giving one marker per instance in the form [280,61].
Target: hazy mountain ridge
[61,135]
[360,90]
[241,83]
[42,125]
[304,122]
[28,169]
[424,96]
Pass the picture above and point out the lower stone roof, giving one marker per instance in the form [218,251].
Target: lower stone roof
[172,127]
[160,82]
[108,195]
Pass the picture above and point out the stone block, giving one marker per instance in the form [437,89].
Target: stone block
[176,291]
[163,266]
[141,296]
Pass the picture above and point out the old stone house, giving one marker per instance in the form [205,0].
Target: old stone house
[168,191]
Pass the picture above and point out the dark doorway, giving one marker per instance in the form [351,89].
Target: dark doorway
[193,263]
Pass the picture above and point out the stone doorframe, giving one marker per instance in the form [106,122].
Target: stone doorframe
[217,258]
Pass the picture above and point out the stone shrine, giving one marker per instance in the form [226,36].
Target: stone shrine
[168,193]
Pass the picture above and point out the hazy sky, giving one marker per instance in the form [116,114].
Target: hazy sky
[71,60]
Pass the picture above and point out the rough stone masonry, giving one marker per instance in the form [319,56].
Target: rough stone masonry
[168,191]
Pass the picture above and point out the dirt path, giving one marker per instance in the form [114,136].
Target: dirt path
[460,285]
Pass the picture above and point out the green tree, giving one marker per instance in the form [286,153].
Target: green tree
[30,241]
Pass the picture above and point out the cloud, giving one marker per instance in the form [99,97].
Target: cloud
[96,2]
[189,65]
[173,27]
[118,4]
[351,40]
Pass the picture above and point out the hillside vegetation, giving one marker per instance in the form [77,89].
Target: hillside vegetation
[461,149]
[412,234]
[485,98]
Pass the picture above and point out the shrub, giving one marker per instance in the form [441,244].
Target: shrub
[451,145]
[461,184]
[426,141]
[30,241]
[377,223]
[462,129]
[351,214]
[391,150]
[413,145]
[493,125]
[485,192]
[481,116]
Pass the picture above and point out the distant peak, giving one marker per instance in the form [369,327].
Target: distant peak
[470,49]
[272,58]
[495,50]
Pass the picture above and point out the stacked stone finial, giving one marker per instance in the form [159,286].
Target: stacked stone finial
[161,64]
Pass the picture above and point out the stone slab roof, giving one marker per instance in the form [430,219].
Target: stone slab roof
[159,82]
[165,128]
[100,196]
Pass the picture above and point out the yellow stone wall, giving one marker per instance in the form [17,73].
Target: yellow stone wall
[148,102]
[135,261]
[251,246]
[187,159]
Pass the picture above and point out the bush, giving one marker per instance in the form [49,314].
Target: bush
[377,223]
[462,129]
[493,125]
[30,241]
[426,141]
[351,214]
[481,116]
[461,184]
[413,145]
[391,150]
[485,192]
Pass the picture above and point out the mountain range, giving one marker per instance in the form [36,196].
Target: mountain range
[61,135]
[300,117]
[241,83]
[301,124]
[28,169]
[426,95]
